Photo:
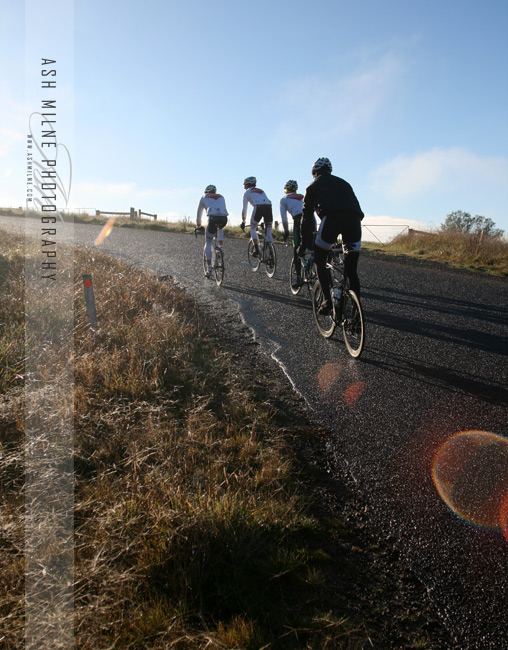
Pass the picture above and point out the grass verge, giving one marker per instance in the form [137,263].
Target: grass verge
[460,250]
[194,520]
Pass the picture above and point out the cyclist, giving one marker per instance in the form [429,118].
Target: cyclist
[262,209]
[215,206]
[292,203]
[339,210]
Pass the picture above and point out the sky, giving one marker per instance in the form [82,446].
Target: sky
[408,100]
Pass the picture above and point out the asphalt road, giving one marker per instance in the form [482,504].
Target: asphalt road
[434,364]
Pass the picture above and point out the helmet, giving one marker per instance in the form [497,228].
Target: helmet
[250,181]
[322,165]
[210,189]
[291,186]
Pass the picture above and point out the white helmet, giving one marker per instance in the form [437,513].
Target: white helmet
[322,165]
[291,186]
[210,189]
[250,181]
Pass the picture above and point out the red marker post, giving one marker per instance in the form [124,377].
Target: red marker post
[90,301]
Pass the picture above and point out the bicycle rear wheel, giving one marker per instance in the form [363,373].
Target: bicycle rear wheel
[253,261]
[295,281]
[219,266]
[270,259]
[325,324]
[353,325]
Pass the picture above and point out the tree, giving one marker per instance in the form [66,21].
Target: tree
[463,222]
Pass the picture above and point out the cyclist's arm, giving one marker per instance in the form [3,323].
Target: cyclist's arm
[245,205]
[201,207]
[308,219]
[283,213]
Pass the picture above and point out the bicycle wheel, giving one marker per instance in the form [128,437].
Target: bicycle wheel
[353,325]
[253,261]
[325,324]
[270,259]
[311,276]
[218,267]
[295,282]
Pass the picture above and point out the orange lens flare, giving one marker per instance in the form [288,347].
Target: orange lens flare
[353,392]
[503,517]
[470,472]
[106,230]
[328,374]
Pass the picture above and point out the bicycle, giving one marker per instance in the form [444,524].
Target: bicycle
[346,309]
[308,274]
[267,257]
[217,259]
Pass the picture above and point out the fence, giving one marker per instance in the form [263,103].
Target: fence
[132,214]
[384,233]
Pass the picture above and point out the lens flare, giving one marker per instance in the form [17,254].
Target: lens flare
[470,472]
[353,392]
[106,230]
[328,374]
[503,517]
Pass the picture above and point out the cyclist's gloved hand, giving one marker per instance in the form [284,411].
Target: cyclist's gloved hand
[286,235]
[242,226]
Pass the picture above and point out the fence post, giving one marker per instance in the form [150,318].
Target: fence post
[90,301]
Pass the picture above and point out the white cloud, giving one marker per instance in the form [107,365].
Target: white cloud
[438,170]
[319,109]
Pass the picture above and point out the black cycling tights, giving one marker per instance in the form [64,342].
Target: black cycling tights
[350,269]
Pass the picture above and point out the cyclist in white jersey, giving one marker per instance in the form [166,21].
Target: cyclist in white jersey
[215,206]
[262,209]
[292,203]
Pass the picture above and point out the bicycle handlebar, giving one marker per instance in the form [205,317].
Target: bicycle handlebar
[198,229]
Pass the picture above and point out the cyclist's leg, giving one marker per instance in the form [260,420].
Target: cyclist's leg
[268,219]
[220,232]
[297,238]
[352,238]
[254,220]
[211,231]
[325,239]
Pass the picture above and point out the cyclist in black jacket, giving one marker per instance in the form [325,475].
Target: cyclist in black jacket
[339,210]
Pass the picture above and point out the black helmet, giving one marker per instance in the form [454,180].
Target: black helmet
[321,166]
[291,186]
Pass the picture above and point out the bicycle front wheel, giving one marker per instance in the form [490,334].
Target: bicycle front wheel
[253,261]
[325,323]
[353,325]
[311,276]
[205,263]
[295,281]
[219,266]
[270,259]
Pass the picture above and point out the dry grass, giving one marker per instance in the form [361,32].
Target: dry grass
[487,254]
[189,531]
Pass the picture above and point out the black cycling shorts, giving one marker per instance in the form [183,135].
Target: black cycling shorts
[216,222]
[263,211]
[349,226]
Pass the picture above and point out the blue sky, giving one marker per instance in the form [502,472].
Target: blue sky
[408,100]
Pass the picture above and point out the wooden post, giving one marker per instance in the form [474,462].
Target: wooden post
[90,301]
[133,213]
